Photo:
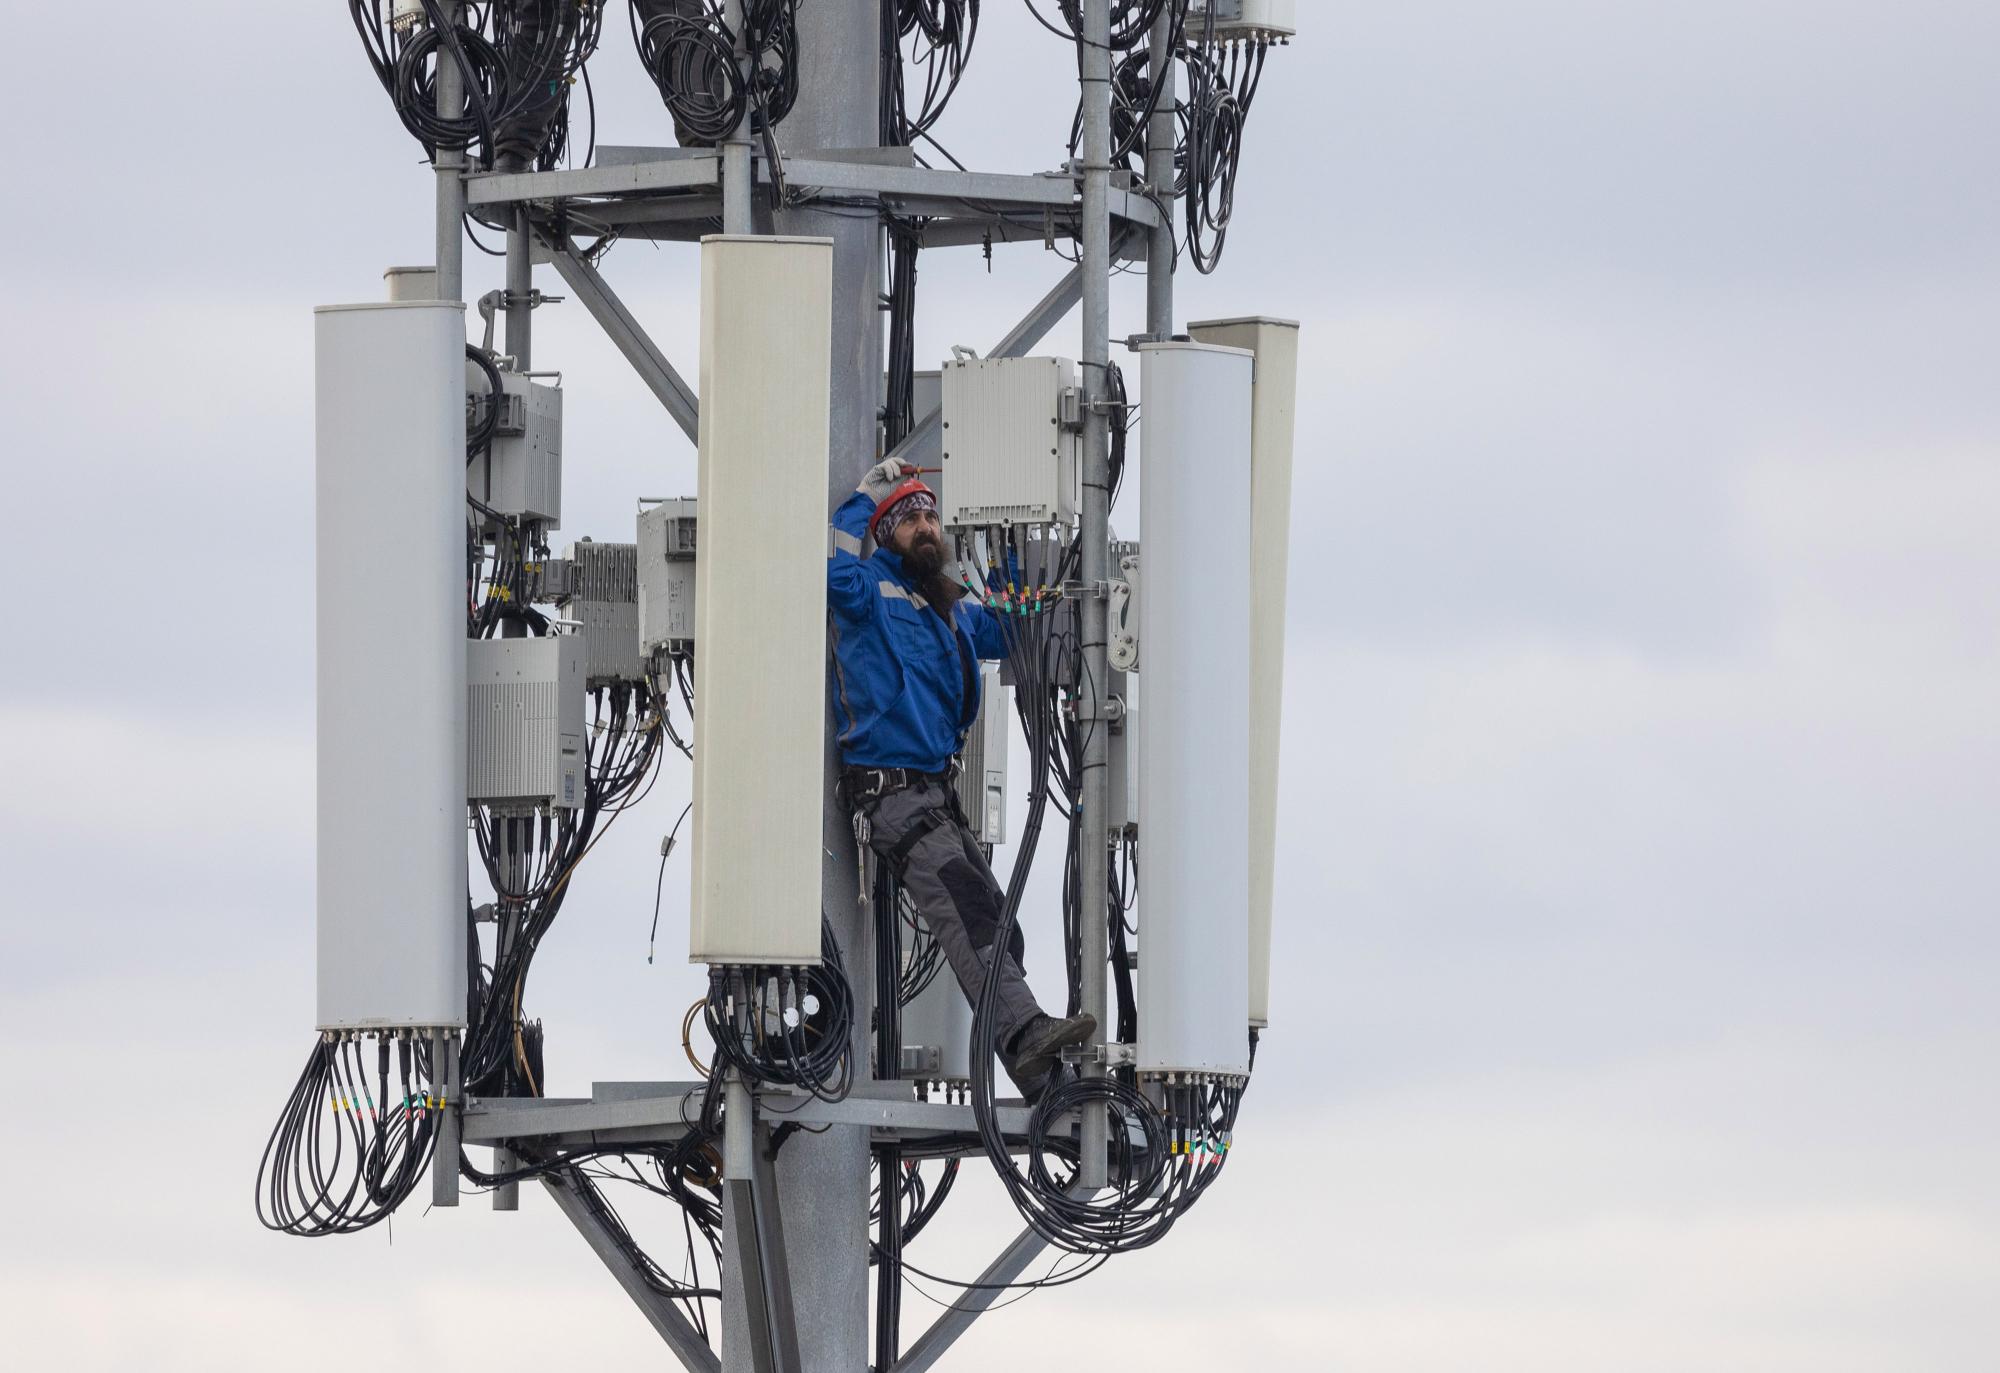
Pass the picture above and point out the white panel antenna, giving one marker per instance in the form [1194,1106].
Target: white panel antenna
[760,596]
[1276,345]
[389,516]
[1194,735]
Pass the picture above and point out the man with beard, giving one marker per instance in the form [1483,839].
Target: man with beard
[906,686]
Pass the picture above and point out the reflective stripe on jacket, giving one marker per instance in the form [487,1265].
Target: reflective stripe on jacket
[899,676]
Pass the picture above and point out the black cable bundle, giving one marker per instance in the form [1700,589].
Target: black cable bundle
[888,1155]
[545,45]
[888,944]
[500,600]
[677,668]
[482,410]
[1158,1162]
[1121,418]
[701,1213]
[1045,1195]
[686,1172]
[935,37]
[900,1208]
[786,1026]
[344,1154]
[689,51]
[1135,96]
[1124,880]
[529,861]
[1219,81]
[516,59]
[530,856]
[1131,20]
[920,1201]
[923,957]
[896,1222]
[899,410]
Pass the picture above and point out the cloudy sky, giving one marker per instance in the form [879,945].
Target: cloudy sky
[1636,1002]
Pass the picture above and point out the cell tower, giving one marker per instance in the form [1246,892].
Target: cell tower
[474,677]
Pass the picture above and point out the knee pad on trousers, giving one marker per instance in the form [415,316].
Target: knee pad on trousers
[973,897]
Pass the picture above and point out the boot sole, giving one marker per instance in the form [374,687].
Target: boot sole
[1045,1058]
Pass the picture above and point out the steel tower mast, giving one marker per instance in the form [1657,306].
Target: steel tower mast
[794,1233]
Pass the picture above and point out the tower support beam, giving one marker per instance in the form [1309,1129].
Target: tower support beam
[631,339]
[674,1327]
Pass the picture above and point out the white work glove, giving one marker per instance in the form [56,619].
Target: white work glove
[884,477]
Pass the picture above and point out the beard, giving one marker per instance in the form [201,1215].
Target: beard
[925,558]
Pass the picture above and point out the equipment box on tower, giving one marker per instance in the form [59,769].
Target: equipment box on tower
[1010,441]
[524,720]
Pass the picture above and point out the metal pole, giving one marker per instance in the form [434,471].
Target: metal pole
[520,290]
[1161,135]
[737,180]
[737,1109]
[450,176]
[519,347]
[444,1154]
[746,1292]
[450,168]
[1093,878]
[823,1178]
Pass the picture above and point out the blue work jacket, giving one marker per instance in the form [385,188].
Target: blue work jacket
[906,687]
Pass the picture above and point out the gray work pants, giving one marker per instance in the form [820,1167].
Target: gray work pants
[918,833]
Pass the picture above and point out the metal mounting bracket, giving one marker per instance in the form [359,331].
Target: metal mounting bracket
[535,299]
[1124,627]
[1111,710]
[1109,1055]
[1123,623]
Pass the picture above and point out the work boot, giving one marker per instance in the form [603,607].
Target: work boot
[1042,1040]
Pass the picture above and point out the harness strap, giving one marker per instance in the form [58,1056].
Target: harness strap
[915,835]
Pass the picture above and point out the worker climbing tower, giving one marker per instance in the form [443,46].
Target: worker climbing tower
[538,688]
